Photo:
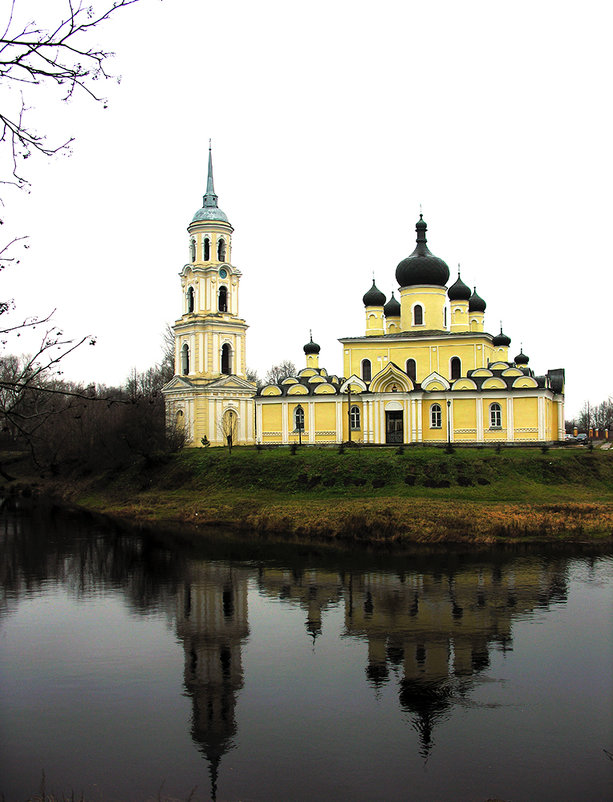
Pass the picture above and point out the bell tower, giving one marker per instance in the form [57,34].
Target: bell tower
[210,336]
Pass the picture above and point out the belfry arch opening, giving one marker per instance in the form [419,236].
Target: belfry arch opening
[206,249]
[222,304]
[190,300]
[185,359]
[226,359]
[221,250]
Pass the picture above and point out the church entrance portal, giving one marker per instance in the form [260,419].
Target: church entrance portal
[393,427]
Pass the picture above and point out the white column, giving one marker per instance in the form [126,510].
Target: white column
[284,422]
[479,405]
[192,353]
[541,417]
[311,407]
[407,425]
[201,352]
[561,429]
[420,433]
[339,421]
[510,421]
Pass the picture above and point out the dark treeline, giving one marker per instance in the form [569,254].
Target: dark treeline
[65,426]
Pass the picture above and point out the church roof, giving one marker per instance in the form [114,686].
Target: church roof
[374,296]
[210,210]
[422,266]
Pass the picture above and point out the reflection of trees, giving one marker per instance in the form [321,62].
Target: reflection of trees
[86,558]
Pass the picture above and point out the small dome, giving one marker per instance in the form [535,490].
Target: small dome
[422,267]
[311,347]
[501,339]
[373,297]
[458,291]
[476,303]
[210,213]
[392,307]
[521,358]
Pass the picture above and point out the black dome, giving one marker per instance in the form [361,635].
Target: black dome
[458,291]
[374,297]
[311,347]
[476,303]
[392,307]
[422,267]
[521,358]
[501,339]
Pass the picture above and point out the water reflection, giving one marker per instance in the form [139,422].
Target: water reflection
[211,621]
[430,625]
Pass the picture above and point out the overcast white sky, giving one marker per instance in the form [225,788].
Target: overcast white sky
[331,123]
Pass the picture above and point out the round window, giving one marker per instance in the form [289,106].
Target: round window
[223,273]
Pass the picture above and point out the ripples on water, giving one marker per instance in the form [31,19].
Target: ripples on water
[293,674]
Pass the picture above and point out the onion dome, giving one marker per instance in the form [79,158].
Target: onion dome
[210,210]
[476,303]
[374,296]
[521,358]
[392,307]
[501,339]
[422,267]
[311,347]
[458,291]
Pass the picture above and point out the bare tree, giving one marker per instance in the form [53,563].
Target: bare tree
[228,428]
[279,372]
[36,58]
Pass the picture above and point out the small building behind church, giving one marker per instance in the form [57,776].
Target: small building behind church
[425,370]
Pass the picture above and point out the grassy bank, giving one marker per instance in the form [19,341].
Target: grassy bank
[376,495]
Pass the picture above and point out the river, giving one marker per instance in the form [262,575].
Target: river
[134,670]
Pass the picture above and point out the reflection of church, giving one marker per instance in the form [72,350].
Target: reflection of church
[424,371]
[436,631]
[212,625]
[430,633]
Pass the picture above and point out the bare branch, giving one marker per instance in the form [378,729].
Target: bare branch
[34,57]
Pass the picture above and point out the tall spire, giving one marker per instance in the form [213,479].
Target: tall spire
[210,199]
[210,210]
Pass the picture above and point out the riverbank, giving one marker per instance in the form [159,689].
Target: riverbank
[369,495]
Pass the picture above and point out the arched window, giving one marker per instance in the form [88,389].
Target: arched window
[206,249]
[226,359]
[179,420]
[221,250]
[436,417]
[192,249]
[455,367]
[366,370]
[299,419]
[185,359]
[190,300]
[412,369]
[495,416]
[354,417]
[445,317]
[223,299]
[418,315]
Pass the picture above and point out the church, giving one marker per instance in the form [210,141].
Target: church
[425,370]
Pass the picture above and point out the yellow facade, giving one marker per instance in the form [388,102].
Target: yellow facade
[425,370]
